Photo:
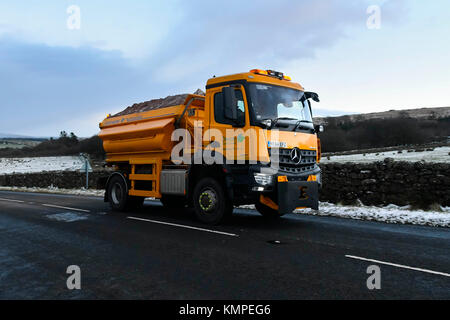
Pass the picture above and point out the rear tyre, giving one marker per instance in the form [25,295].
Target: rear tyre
[117,194]
[211,203]
[266,211]
[119,200]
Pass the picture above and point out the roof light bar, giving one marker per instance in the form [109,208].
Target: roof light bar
[259,71]
[271,73]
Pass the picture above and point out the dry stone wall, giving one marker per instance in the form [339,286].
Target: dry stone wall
[379,183]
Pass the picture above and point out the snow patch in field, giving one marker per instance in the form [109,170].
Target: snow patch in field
[438,155]
[39,164]
[389,214]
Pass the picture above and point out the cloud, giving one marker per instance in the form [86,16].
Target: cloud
[45,87]
[42,84]
[214,38]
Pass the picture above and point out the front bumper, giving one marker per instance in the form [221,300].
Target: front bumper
[295,194]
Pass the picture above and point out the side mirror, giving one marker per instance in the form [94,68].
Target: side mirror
[312,95]
[229,103]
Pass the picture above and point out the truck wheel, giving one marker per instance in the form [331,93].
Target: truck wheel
[210,201]
[173,202]
[267,211]
[117,194]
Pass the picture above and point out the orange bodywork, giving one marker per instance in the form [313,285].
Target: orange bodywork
[144,135]
[145,138]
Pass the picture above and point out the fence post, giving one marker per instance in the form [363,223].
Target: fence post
[86,168]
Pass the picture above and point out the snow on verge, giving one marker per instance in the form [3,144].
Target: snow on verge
[387,214]
[56,190]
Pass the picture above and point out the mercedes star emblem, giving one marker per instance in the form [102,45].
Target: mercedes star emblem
[296,155]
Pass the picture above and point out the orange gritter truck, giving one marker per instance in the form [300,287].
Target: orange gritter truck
[249,139]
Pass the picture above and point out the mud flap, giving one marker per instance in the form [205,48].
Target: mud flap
[295,194]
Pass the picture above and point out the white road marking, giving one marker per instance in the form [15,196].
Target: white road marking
[184,226]
[399,266]
[67,208]
[12,200]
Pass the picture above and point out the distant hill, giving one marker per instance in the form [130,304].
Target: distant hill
[385,129]
[320,113]
[422,113]
[62,146]
[12,136]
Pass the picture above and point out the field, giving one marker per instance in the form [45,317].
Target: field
[17,143]
[436,155]
[39,164]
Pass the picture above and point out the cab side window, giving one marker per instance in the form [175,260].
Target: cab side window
[219,113]
[240,107]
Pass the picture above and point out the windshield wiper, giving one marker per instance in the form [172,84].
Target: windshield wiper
[299,122]
[281,118]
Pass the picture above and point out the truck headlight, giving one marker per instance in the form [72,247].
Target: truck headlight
[263,179]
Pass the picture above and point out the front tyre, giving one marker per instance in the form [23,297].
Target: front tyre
[211,203]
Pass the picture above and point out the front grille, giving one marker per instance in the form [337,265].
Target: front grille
[307,163]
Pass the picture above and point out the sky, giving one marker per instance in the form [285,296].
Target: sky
[64,71]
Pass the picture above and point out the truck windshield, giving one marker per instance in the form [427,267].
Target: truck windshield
[274,102]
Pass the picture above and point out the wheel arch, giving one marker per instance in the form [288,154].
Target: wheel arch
[217,171]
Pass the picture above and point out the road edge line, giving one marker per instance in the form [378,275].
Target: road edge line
[184,226]
[399,265]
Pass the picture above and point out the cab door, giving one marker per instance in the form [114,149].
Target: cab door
[234,144]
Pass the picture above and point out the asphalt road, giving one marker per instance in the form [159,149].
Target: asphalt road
[156,254]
